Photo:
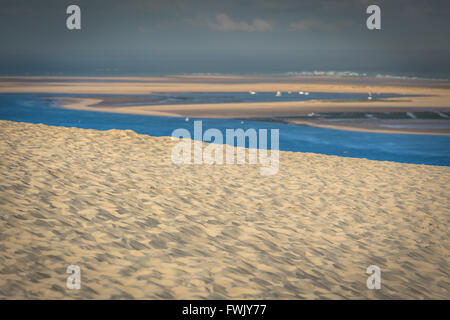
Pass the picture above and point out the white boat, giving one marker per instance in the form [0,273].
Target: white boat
[306,93]
[278,94]
[301,92]
[252,92]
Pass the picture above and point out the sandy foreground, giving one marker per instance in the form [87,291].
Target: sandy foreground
[139,226]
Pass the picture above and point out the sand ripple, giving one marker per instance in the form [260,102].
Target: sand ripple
[140,227]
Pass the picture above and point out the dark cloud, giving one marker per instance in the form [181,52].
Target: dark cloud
[233,33]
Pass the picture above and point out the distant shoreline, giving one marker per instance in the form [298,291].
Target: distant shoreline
[424,96]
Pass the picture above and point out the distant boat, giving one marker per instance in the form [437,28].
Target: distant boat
[278,94]
[311,114]
[187,119]
[411,115]
[306,93]
[443,115]
[301,92]
[252,92]
[369,98]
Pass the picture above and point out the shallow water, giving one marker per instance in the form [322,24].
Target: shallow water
[230,97]
[426,149]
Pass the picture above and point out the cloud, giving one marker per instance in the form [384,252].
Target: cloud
[309,24]
[221,22]
[313,24]
[224,23]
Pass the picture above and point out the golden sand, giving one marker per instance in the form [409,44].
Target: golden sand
[139,226]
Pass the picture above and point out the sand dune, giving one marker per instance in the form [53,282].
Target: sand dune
[141,227]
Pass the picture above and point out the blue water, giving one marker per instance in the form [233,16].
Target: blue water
[422,149]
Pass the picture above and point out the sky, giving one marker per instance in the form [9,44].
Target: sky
[140,37]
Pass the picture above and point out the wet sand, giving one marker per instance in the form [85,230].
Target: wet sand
[139,226]
[433,127]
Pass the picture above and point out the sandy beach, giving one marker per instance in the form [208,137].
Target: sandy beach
[139,226]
